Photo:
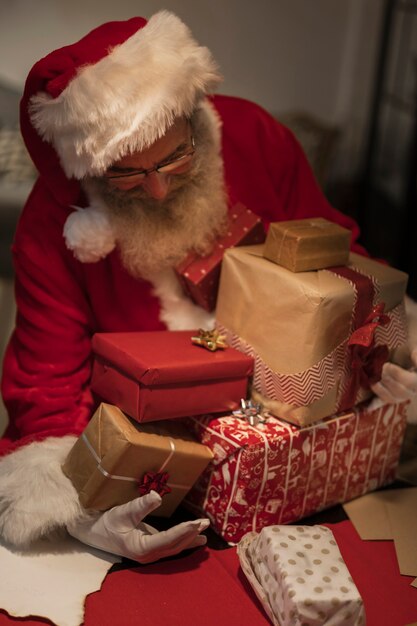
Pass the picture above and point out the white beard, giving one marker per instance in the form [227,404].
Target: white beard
[155,235]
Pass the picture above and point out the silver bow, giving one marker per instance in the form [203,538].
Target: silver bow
[251,412]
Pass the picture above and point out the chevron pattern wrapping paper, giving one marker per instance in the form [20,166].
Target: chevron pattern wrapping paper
[277,473]
[303,388]
[298,328]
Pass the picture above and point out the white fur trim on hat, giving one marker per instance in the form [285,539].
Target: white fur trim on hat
[88,233]
[36,498]
[128,99]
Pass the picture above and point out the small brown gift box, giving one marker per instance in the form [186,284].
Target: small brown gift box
[108,462]
[308,244]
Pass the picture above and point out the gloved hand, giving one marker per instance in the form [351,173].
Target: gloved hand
[121,531]
[397,384]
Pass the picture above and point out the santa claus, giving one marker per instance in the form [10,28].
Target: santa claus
[138,165]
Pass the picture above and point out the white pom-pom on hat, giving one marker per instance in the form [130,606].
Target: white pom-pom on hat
[88,233]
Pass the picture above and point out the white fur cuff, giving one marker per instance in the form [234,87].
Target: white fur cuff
[36,497]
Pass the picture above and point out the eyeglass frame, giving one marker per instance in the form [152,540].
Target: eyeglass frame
[143,173]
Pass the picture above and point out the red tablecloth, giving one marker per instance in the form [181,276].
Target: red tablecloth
[207,588]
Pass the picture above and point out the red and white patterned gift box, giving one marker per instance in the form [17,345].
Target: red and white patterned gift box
[277,473]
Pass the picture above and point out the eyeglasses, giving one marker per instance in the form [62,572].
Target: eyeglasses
[166,167]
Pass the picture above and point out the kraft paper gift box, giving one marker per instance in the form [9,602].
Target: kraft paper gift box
[199,276]
[317,339]
[300,576]
[278,473]
[161,374]
[308,244]
[115,458]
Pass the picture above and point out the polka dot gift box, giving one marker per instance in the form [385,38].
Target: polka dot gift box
[300,577]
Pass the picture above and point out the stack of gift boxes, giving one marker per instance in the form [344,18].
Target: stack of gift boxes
[134,442]
[275,426]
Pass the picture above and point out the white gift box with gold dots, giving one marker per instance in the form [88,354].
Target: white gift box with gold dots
[300,577]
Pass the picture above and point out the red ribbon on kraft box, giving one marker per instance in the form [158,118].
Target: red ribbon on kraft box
[364,359]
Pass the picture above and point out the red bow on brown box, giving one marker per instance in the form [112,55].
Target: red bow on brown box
[154,481]
[367,360]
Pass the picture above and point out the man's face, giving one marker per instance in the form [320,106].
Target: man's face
[156,171]
[168,199]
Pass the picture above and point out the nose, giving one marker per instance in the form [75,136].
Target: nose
[156,185]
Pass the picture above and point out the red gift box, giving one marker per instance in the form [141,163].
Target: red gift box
[160,375]
[199,276]
[277,473]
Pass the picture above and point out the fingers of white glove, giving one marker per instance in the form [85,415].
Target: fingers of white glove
[190,538]
[408,378]
[175,535]
[186,544]
[142,543]
[383,393]
[200,540]
[125,517]
[170,541]
[375,403]
[402,384]
[148,530]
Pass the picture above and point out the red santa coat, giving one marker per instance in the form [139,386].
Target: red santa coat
[63,302]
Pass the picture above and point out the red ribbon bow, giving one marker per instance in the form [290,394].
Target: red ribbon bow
[154,481]
[366,359]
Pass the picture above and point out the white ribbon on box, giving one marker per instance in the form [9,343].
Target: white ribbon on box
[130,478]
[300,577]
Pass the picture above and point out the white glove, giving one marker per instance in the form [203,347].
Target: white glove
[121,531]
[397,384]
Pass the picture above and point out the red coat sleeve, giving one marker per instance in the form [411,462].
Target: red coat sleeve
[48,360]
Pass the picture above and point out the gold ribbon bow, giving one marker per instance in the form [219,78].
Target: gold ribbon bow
[210,339]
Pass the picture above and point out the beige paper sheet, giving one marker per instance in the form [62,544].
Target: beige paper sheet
[389,514]
[51,580]
[369,516]
[402,511]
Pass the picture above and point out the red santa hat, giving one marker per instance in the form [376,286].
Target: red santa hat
[114,92]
